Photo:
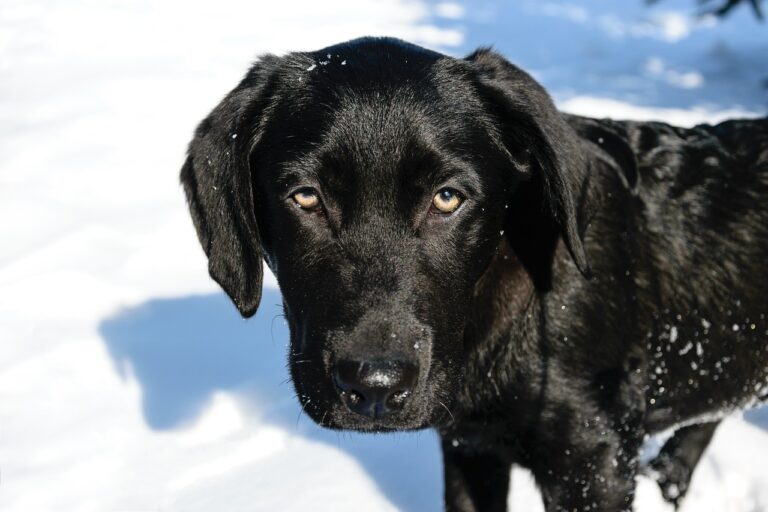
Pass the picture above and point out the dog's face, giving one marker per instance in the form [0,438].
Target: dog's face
[375,178]
[380,223]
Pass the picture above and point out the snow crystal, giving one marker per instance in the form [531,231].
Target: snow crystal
[673,334]
[313,66]
[673,491]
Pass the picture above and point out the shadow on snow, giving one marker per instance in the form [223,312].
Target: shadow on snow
[183,350]
[653,56]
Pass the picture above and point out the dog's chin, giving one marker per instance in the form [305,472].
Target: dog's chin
[337,417]
[351,421]
[374,426]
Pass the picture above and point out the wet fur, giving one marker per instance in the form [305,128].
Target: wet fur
[606,281]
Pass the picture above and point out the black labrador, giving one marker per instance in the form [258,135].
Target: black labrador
[453,252]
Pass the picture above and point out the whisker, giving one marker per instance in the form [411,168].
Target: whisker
[303,405]
[272,328]
[448,410]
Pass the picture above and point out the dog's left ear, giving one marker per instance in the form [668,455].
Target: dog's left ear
[217,180]
[537,140]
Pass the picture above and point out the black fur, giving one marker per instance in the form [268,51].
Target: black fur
[602,280]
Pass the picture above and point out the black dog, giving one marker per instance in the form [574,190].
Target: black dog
[455,253]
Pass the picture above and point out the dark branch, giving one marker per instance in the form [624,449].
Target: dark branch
[726,8]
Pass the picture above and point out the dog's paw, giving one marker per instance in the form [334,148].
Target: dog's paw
[673,476]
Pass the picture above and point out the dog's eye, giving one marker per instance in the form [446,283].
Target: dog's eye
[307,199]
[446,200]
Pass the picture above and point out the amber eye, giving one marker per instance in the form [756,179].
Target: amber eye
[307,198]
[446,200]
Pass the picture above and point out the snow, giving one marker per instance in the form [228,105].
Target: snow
[127,380]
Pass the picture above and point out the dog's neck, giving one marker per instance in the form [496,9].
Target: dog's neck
[501,333]
[503,295]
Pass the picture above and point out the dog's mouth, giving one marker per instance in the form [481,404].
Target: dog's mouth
[367,381]
[339,417]
[396,398]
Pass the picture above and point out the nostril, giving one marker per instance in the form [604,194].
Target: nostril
[375,388]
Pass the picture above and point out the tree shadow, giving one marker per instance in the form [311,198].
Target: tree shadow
[659,56]
[183,350]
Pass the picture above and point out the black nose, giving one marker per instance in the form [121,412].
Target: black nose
[376,388]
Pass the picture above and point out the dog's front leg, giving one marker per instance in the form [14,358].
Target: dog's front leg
[674,465]
[475,481]
[591,475]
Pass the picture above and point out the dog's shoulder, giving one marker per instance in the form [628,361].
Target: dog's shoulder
[660,157]
[661,145]
[745,138]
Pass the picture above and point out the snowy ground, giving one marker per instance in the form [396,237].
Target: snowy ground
[127,381]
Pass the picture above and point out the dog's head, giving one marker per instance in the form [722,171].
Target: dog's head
[377,180]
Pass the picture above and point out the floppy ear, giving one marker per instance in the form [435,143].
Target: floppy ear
[538,141]
[217,180]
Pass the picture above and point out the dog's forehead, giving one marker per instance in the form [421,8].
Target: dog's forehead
[368,58]
[377,79]
[376,117]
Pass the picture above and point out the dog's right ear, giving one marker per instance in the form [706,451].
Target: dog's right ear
[538,139]
[217,180]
